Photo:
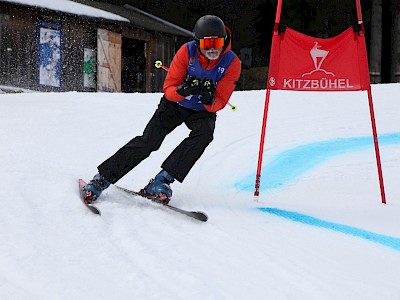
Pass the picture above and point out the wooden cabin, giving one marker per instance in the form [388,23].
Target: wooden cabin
[86,46]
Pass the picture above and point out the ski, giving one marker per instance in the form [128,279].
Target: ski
[198,215]
[90,206]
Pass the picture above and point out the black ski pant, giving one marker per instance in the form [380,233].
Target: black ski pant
[166,118]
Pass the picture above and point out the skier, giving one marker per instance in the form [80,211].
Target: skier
[200,81]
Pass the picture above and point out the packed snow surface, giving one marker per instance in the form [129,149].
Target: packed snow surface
[319,230]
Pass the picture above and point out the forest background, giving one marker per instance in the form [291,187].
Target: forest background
[251,23]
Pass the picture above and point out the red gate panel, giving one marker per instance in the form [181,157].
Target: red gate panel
[304,63]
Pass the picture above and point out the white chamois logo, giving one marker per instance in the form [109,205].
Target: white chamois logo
[318,56]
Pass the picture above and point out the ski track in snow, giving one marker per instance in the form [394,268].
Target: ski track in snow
[52,247]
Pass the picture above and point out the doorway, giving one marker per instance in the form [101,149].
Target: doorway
[133,65]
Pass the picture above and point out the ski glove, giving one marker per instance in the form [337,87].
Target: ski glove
[190,87]
[207,89]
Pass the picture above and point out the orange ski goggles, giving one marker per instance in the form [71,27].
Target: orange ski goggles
[211,42]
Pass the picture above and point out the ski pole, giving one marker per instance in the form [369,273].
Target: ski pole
[158,64]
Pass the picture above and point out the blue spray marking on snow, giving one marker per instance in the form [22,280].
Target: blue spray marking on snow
[384,240]
[294,162]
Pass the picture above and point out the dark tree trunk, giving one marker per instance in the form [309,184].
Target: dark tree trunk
[395,66]
[375,56]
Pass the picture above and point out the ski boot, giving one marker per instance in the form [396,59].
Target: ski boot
[94,188]
[158,188]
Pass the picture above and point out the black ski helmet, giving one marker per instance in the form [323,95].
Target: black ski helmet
[209,25]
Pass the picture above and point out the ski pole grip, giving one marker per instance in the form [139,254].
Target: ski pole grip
[158,64]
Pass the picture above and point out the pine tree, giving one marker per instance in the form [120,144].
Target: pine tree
[375,56]
[395,55]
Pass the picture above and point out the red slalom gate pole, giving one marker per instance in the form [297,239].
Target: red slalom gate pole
[158,64]
[261,150]
[376,145]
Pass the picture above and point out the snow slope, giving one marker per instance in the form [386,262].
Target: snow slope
[318,232]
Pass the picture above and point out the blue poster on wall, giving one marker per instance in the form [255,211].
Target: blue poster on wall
[49,54]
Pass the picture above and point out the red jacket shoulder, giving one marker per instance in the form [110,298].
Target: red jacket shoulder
[176,74]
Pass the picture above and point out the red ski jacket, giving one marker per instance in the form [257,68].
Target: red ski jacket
[178,69]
